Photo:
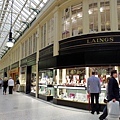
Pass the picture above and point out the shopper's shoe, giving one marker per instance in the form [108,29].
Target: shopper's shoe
[100,118]
[92,113]
[98,113]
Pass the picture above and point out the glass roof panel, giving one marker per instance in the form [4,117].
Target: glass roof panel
[21,1]
[21,12]
[18,3]
[32,5]
[41,5]
[45,1]
[26,11]
[36,1]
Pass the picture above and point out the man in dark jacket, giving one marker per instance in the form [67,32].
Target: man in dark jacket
[113,92]
[113,87]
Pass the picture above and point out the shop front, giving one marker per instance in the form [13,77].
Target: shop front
[28,74]
[14,71]
[47,73]
[78,57]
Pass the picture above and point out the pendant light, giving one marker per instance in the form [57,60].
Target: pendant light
[9,42]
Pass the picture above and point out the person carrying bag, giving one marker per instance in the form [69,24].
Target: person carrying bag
[113,97]
[113,109]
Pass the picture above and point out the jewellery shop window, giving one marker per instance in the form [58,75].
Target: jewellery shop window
[102,73]
[73,77]
[46,82]
[73,87]
[23,76]
[33,79]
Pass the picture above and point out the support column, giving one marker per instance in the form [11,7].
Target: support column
[37,61]
[56,31]
[87,70]
[58,78]
[99,17]
[113,15]
[63,75]
[85,17]
[64,78]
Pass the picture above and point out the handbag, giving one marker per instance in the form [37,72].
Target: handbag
[113,109]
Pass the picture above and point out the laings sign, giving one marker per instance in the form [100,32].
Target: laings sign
[100,40]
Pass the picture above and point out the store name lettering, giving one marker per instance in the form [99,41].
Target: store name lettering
[100,40]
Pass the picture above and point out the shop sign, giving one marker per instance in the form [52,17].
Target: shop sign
[100,40]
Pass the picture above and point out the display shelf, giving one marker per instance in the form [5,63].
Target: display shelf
[45,85]
[42,85]
[65,87]
[74,88]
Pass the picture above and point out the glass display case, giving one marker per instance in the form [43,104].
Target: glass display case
[46,88]
[46,77]
[23,79]
[75,97]
[78,94]
[71,86]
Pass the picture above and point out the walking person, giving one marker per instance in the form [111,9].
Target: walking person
[113,90]
[17,85]
[10,84]
[94,89]
[105,113]
[5,85]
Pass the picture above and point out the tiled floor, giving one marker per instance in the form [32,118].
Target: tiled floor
[21,107]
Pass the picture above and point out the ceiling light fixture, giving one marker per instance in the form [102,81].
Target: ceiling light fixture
[9,42]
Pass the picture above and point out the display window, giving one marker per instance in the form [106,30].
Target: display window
[46,77]
[72,77]
[33,79]
[46,81]
[23,76]
[103,73]
[72,83]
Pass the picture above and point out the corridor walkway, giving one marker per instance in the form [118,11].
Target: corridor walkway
[22,107]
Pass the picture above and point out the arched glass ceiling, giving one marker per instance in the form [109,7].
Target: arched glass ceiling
[23,11]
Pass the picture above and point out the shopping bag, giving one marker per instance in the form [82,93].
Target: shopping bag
[113,109]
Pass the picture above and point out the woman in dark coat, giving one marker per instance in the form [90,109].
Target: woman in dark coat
[5,85]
